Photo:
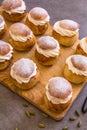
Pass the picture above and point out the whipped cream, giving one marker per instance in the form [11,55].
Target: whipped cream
[55,100]
[50,52]
[19,10]
[74,69]
[8,56]
[62,31]
[38,22]
[2,25]
[83,45]
[21,79]
[21,38]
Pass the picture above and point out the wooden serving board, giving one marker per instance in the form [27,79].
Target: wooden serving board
[37,93]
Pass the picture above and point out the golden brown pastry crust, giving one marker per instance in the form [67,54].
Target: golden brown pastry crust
[30,84]
[80,51]
[4,65]
[64,40]
[22,46]
[14,17]
[56,107]
[45,60]
[72,77]
[37,30]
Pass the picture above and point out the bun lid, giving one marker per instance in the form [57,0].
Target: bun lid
[20,29]
[4,48]
[23,67]
[79,62]
[38,13]
[69,24]
[11,4]
[47,42]
[59,87]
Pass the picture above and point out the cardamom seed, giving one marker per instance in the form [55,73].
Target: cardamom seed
[77,113]
[27,113]
[65,128]
[79,124]
[72,118]
[41,125]
[32,113]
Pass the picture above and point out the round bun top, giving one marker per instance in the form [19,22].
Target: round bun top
[4,48]
[69,24]
[38,13]
[1,19]
[11,4]
[23,67]
[47,42]
[79,62]
[59,87]
[20,29]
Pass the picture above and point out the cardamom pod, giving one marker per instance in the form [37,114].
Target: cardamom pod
[72,118]
[41,125]
[79,124]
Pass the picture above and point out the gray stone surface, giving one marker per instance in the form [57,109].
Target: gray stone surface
[12,112]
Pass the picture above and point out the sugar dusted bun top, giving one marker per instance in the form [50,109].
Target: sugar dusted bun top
[4,48]
[77,64]
[20,29]
[59,87]
[48,46]
[38,13]
[80,62]
[23,67]
[11,4]
[47,42]
[23,70]
[69,24]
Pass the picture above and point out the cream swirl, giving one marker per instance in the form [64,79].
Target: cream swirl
[83,45]
[38,22]
[8,56]
[74,69]
[21,79]
[62,31]
[2,25]
[49,53]
[19,10]
[55,100]
[21,38]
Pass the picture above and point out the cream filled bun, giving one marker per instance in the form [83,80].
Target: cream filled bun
[24,73]
[14,10]
[76,68]
[38,19]
[6,51]
[47,50]
[58,93]
[66,32]
[21,37]
[3,26]
[82,47]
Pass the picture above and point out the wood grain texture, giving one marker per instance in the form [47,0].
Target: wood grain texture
[37,93]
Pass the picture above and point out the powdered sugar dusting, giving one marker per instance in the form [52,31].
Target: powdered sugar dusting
[59,86]
[23,67]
